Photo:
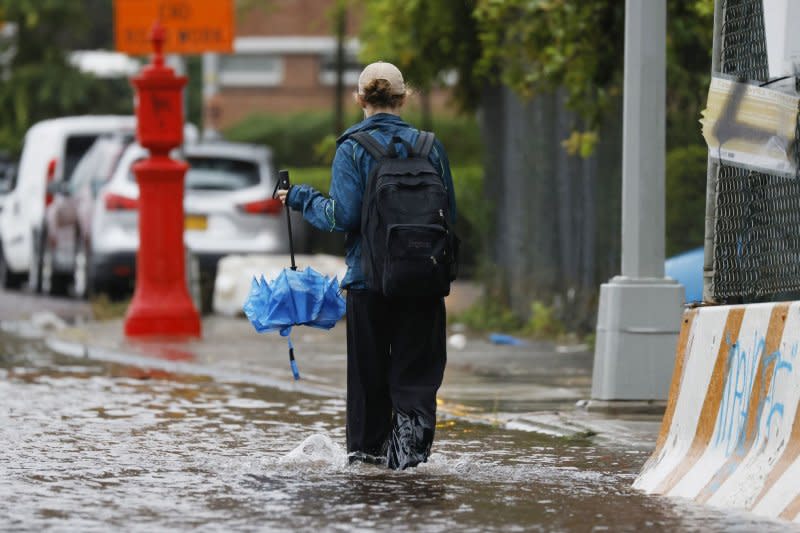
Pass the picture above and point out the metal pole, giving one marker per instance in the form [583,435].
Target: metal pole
[639,315]
[210,90]
[341,34]
[643,139]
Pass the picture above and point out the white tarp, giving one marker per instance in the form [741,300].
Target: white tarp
[751,126]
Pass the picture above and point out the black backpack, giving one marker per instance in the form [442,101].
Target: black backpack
[407,247]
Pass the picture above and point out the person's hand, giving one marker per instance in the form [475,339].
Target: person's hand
[281,195]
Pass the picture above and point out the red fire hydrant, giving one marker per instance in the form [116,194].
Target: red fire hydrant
[161,304]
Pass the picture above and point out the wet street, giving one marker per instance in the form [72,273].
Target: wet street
[93,446]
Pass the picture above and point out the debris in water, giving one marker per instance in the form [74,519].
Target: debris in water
[501,338]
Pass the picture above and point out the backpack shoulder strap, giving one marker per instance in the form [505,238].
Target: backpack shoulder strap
[370,144]
[424,143]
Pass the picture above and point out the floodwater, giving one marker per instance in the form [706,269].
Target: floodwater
[91,446]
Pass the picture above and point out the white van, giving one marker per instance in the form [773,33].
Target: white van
[51,151]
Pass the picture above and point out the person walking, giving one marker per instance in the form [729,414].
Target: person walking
[396,346]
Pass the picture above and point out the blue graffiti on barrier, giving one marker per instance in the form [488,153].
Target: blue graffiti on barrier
[735,406]
[771,406]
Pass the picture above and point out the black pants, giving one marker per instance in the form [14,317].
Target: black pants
[396,354]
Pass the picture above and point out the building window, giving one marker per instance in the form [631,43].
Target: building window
[250,70]
[327,69]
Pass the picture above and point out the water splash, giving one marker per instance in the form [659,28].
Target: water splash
[318,450]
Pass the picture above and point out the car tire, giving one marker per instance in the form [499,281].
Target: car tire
[35,268]
[52,283]
[8,279]
[80,286]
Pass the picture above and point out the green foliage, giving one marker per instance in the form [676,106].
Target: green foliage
[488,314]
[581,143]
[303,139]
[42,28]
[292,138]
[460,136]
[35,93]
[689,36]
[686,198]
[325,149]
[536,46]
[317,177]
[474,217]
[542,45]
[194,89]
[40,83]
[543,323]
[472,202]
[426,40]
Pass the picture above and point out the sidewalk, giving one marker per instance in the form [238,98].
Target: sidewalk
[533,387]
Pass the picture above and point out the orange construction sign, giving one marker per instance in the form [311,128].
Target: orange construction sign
[192,26]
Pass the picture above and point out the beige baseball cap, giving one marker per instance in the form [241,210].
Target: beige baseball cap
[382,71]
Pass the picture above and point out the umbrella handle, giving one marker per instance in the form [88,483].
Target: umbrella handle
[284,183]
[292,362]
[291,244]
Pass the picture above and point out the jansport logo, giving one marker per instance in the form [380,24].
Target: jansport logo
[419,244]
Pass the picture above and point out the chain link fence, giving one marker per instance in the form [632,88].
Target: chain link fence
[744,41]
[757,216]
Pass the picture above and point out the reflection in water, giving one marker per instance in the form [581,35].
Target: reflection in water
[92,446]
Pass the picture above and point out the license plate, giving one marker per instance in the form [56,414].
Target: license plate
[196,222]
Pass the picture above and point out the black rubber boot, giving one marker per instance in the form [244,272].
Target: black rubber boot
[410,442]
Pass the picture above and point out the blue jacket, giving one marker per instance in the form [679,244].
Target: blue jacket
[351,168]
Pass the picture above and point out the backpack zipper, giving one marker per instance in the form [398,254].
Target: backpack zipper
[383,185]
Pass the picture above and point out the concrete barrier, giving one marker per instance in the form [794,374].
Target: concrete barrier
[730,436]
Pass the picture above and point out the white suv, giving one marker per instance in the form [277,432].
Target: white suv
[51,151]
[228,210]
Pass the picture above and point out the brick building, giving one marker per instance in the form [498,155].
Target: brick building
[284,62]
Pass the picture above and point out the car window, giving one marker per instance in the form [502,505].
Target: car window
[8,178]
[213,173]
[86,167]
[77,146]
[109,159]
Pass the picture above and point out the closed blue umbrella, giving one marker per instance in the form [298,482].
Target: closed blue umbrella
[294,298]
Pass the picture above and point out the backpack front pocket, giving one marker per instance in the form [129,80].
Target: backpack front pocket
[416,263]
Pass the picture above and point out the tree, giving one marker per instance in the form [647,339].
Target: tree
[538,46]
[428,41]
[41,83]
